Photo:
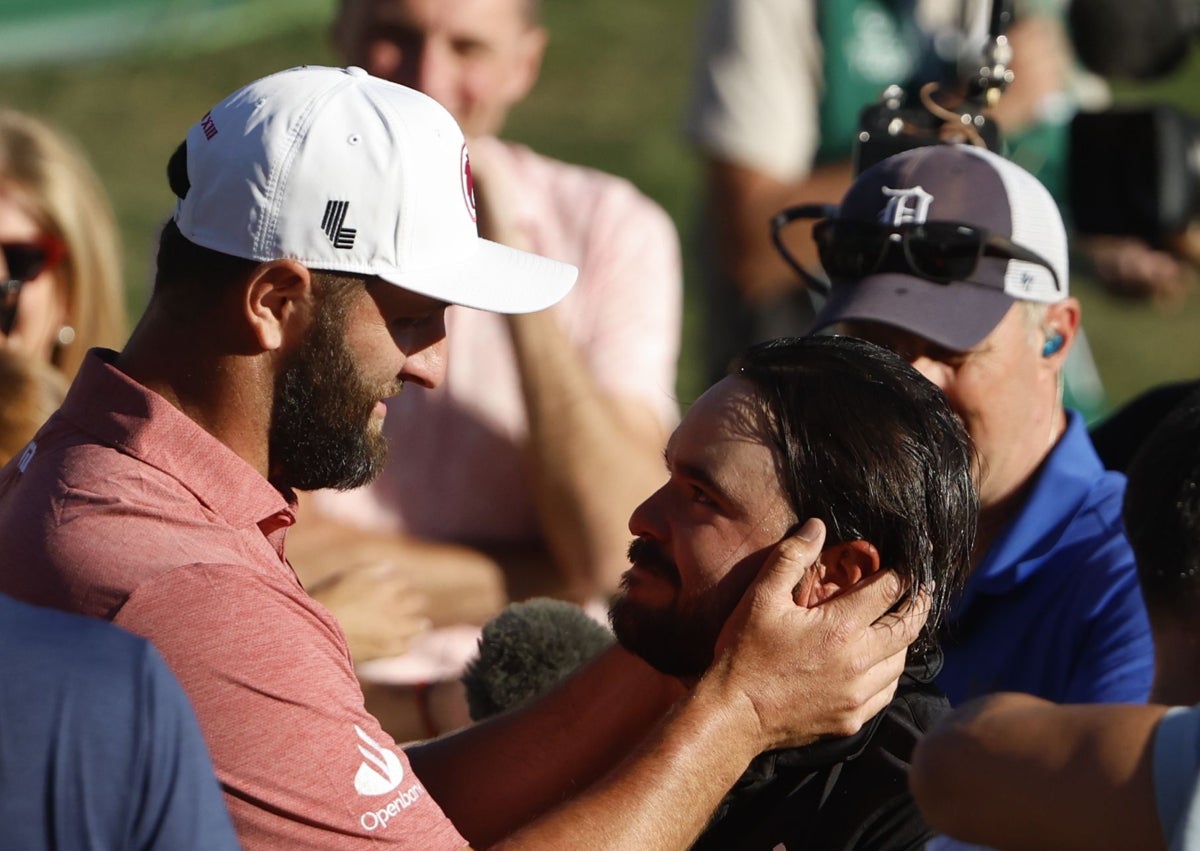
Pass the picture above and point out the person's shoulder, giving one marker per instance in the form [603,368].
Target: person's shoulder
[72,649]
[231,606]
[1082,500]
[66,470]
[1097,526]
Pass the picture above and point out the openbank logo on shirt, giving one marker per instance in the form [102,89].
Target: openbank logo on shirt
[381,770]
[379,774]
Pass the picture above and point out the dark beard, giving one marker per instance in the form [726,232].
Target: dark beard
[320,435]
[676,642]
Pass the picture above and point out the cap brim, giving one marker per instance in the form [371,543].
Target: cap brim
[493,277]
[957,316]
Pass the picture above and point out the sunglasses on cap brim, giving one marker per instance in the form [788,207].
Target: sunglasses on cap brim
[941,252]
[25,261]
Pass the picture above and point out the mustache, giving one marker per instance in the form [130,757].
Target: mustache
[650,556]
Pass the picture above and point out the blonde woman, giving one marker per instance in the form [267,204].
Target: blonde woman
[30,391]
[60,271]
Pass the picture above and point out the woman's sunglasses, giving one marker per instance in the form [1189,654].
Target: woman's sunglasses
[941,252]
[25,261]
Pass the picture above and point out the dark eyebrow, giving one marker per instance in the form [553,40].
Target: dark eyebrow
[699,475]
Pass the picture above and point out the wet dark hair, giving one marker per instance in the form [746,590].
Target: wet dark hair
[869,446]
[1162,515]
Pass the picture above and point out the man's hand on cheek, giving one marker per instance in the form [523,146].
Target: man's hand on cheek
[803,673]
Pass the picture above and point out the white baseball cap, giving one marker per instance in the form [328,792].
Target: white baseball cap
[346,172]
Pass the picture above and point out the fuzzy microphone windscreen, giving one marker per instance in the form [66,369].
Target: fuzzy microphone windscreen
[526,650]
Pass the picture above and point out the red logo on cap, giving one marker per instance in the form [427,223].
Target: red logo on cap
[468,184]
[208,126]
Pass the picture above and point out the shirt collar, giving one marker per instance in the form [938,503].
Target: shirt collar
[1061,488]
[919,674]
[117,411]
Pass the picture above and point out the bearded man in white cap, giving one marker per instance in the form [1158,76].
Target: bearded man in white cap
[957,259]
[325,220]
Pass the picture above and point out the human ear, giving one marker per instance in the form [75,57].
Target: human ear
[278,303]
[840,568]
[1059,329]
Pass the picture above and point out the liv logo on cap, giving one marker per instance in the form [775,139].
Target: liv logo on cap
[335,215]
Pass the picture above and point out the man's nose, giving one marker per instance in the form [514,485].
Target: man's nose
[426,367]
[646,519]
[936,371]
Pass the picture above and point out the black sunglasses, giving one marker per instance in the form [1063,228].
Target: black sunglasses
[25,261]
[941,252]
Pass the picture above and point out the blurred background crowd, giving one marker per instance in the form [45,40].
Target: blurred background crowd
[124,77]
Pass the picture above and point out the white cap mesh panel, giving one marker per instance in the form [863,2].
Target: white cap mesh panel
[1036,225]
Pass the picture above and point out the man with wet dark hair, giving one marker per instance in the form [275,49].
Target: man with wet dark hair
[847,432]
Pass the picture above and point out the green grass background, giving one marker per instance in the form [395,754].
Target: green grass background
[610,96]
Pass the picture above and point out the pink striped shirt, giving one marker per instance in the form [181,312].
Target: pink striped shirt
[124,508]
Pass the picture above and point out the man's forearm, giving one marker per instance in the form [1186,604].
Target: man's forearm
[592,462]
[497,776]
[1015,771]
[747,200]
[664,793]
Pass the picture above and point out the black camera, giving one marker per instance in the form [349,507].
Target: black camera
[894,125]
[903,119]
[1134,172]
[1130,171]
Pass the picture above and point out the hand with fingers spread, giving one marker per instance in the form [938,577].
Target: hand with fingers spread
[823,670]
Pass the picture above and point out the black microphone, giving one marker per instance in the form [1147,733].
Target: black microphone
[526,650]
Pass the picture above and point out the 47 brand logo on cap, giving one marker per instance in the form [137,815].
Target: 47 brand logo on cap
[335,215]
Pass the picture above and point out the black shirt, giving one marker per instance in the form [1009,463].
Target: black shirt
[849,793]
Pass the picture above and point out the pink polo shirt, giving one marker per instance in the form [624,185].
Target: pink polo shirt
[457,471]
[124,508]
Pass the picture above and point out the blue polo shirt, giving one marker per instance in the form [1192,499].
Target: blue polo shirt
[1054,609]
[99,748]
